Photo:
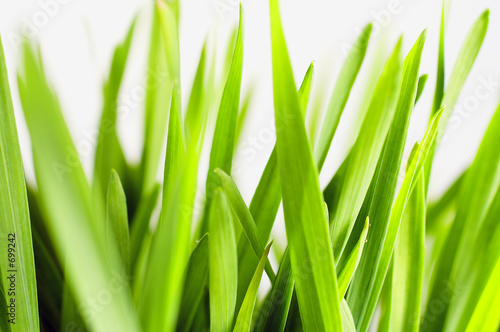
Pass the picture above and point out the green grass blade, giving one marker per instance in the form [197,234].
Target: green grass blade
[244,216]
[223,271]
[245,314]
[416,165]
[117,231]
[476,193]
[422,80]
[348,324]
[243,113]
[439,90]
[4,324]
[340,94]
[109,154]
[196,102]
[274,312]
[408,258]
[366,151]
[65,195]
[306,226]
[194,284]
[15,218]
[348,270]
[221,155]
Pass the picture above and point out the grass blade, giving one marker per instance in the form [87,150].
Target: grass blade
[15,230]
[340,94]
[348,324]
[117,220]
[306,226]
[223,271]
[245,314]
[422,80]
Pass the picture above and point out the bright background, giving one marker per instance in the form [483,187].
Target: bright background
[78,36]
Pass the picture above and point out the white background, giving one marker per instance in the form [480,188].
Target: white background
[78,38]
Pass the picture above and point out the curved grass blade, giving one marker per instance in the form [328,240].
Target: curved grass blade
[476,194]
[244,216]
[117,231]
[305,222]
[408,258]
[340,94]
[15,227]
[65,195]
[194,284]
[245,314]
[223,260]
[366,151]
[347,320]
[409,182]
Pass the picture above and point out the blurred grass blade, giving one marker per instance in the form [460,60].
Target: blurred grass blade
[408,258]
[195,107]
[221,155]
[409,182]
[305,223]
[117,231]
[223,271]
[194,284]
[348,270]
[109,154]
[340,94]
[366,151]
[15,225]
[245,314]
[274,311]
[65,196]
[244,216]
[243,113]
[347,320]
[476,194]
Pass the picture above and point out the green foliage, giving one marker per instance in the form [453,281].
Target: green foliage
[120,251]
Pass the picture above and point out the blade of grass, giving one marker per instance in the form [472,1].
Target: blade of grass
[194,284]
[305,223]
[243,113]
[65,195]
[245,314]
[408,257]
[366,151]
[340,94]
[422,80]
[223,271]
[348,324]
[244,216]
[117,231]
[196,99]
[15,230]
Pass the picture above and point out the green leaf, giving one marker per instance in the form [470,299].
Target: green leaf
[439,90]
[340,94]
[408,258]
[66,196]
[409,182]
[422,80]
[4,324]
[476,194]
[244,216]
[245,314]
[194,284]
[366,151]
[223,262]
[15,218]
[274,311]
[348,324]
[243,113]
[117,220]
[348,270]
[195,109]
[305,223]
[221,155]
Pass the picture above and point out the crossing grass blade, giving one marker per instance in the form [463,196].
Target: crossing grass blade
[305,222]
[408,257]
[366,151]
[348,324]
[244,216]
[340,94]
[476,194]
[223,264]
[117,231]
[244,320]
[66,196]
[15,219]
[194,284]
